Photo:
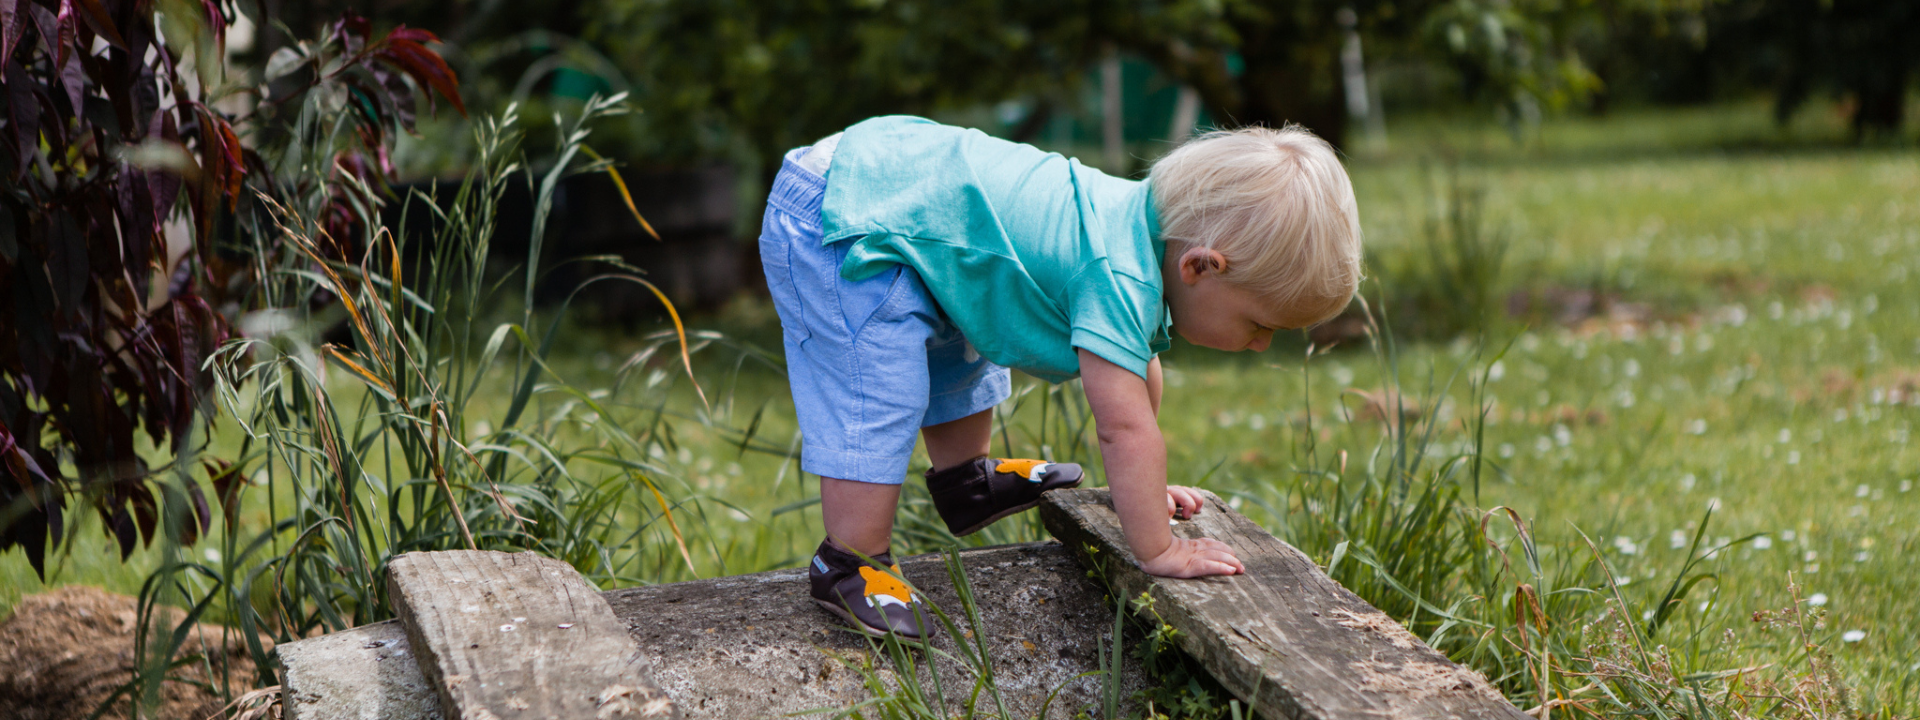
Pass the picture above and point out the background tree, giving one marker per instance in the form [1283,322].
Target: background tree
[732,75]
[1864,50]
[716,77]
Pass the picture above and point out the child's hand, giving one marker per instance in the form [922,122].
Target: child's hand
[1183,502]
[1194,558]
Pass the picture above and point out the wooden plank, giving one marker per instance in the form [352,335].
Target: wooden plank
[518,636]
[1283,637]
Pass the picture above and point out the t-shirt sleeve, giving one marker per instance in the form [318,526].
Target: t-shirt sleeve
[1104,312]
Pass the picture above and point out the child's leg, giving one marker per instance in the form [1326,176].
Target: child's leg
[859,515]
[957,441]
[859,379]
[969,490]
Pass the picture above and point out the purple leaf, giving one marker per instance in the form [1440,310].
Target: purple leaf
[226,485]
[165,188]
[120,526]
[215,20]
[100,21]
[398,93]
[73,79]
[426,66]
[67,266]
[9,242]
[351,32]
[23,117]
[17,462]
[146,513]
[146,95]
[135,210]
[139,228]
[13,24]
[201,514]
[63,40]
[43,21]
[35,308]
[30,532]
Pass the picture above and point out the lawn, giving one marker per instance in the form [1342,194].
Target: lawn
[1752,347]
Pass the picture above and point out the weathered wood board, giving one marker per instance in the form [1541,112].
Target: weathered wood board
[1283,636]
[510,636]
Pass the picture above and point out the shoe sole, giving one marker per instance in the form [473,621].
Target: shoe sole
[858,626]
[1002,515]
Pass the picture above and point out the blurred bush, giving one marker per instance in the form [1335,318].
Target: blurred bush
[1451,282]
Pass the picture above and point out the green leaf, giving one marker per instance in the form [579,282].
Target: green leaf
[284,60]
[792,506]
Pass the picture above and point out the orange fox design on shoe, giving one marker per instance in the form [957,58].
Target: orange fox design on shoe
[884,589]
[1024,468]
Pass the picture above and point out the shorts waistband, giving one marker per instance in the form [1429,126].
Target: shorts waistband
[797,190]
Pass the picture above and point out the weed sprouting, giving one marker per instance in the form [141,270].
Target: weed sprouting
[911,697]
[1181,689]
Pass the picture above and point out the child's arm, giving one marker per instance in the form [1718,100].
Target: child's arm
[1153,385]
[1136,461]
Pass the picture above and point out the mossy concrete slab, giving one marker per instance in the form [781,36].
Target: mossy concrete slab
[753,646]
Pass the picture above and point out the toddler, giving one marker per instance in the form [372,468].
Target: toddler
[912,263]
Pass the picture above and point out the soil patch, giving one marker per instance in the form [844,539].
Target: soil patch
[67,651]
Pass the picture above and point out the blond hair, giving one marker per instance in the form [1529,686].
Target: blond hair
[1276,203]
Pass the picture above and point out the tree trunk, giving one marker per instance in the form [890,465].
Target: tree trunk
[1291,74]
[1882,95]
[1304,90]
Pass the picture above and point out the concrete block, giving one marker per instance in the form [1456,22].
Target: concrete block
[366,673]
[755,646]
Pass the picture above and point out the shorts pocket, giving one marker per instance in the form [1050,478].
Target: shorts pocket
[776,259]
[874,299]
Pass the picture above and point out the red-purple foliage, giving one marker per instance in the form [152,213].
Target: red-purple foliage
[100,337]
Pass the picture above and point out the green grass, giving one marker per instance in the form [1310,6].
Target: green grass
[1780,319]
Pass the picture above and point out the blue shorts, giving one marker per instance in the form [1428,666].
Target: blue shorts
[871,362]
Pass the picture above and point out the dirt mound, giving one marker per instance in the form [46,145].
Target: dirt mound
[66,651]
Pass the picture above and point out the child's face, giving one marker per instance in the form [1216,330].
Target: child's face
[1211,312]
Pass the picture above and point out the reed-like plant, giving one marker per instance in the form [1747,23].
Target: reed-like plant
[401,439]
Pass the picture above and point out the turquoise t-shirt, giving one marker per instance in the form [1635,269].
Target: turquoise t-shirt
[1029,253]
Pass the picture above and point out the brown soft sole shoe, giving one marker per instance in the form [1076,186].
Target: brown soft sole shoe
[972,495]
[871,597]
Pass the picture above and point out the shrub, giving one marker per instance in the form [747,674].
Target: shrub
[102,148]
[1450,284]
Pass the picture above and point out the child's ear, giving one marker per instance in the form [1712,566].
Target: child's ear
[1198,262]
